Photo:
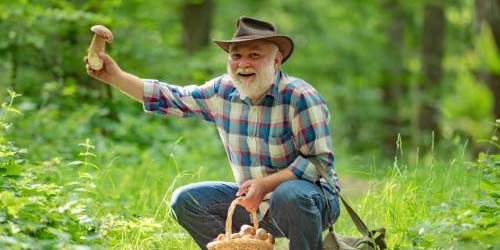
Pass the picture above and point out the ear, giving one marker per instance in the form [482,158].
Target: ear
[277,60]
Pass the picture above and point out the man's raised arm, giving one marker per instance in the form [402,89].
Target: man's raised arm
[112,74]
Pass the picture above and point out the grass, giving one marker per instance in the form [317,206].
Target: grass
[423,202]
[402,200]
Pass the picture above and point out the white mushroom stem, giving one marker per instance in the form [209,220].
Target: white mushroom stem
[98,43]
[97,46]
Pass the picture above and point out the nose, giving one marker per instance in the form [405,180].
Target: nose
[244,62]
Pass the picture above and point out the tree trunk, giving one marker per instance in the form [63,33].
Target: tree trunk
[488,12]
[196,24]
[433,31]
[394,74]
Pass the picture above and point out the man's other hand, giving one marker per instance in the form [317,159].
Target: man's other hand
[254,191]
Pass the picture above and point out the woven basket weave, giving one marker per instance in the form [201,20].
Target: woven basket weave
[239,243]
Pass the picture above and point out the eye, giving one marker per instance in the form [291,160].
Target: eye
[254,55]
[235,56]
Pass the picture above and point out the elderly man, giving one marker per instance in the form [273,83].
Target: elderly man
[271,125]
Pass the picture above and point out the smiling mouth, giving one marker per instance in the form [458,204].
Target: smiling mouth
[246,74]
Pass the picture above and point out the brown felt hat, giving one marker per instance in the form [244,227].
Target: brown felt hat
[249,29]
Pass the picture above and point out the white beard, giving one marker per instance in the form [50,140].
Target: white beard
[263,80]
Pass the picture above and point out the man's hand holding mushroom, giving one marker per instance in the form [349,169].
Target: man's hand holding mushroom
[103,68]
[110,71]
[99,65]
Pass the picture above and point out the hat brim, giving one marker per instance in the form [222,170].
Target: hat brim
[284,43]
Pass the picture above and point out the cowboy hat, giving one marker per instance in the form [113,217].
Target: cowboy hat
[250,29]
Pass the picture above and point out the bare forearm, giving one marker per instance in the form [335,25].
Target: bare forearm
[272,181]
[130,84]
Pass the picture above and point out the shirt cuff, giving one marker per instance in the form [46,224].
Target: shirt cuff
[303,169]
[151,98]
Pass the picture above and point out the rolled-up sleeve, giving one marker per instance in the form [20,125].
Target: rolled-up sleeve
[311,133]
[181,101]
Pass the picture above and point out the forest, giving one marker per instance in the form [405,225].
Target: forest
[413,88]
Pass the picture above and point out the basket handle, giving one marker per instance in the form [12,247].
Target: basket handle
[229,220]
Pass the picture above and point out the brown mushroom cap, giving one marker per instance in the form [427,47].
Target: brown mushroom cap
[247,229]
[103,32]
[261,234]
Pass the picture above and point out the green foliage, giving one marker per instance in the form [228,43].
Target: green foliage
[122,186]
[10,155]
[471,221]
[467,113]
[488,51]
[433,204]
[34,210]
[42,39]
[342,48]
[112,189]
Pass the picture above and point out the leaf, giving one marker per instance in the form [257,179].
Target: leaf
[488,185]
[11,202]
[85,175]
[13,170]
[13,93]
[59,234]
[7,154]
[75,163]
[6,240]
[14,110]
[66,206]
[87,154]
[488,50]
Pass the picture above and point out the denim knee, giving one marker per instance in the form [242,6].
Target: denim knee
[178,202]
[286,195]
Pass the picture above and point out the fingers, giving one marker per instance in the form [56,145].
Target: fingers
[241,192]
[90,71]
[105,58]
[243,188]
[249,204]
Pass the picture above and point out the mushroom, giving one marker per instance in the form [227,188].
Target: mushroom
[261,234]
[247,229]
[101,36]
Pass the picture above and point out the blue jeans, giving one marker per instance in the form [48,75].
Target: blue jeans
[297,211]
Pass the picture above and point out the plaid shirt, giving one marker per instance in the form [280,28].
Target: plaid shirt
[285,127]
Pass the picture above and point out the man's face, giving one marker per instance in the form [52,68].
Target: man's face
[252,66]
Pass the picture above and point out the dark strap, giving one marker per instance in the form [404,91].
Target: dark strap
[328,209]
[360,225]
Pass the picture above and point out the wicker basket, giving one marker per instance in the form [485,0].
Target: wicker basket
[239,243]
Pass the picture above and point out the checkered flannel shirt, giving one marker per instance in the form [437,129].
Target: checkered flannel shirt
[283,129]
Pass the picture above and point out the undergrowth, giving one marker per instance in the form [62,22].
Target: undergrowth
[121,200]
[434,203]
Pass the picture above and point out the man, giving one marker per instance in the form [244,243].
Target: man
[271,126]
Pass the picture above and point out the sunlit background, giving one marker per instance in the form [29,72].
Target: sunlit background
[413,88]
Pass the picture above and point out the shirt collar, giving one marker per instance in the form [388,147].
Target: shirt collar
[272,92]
